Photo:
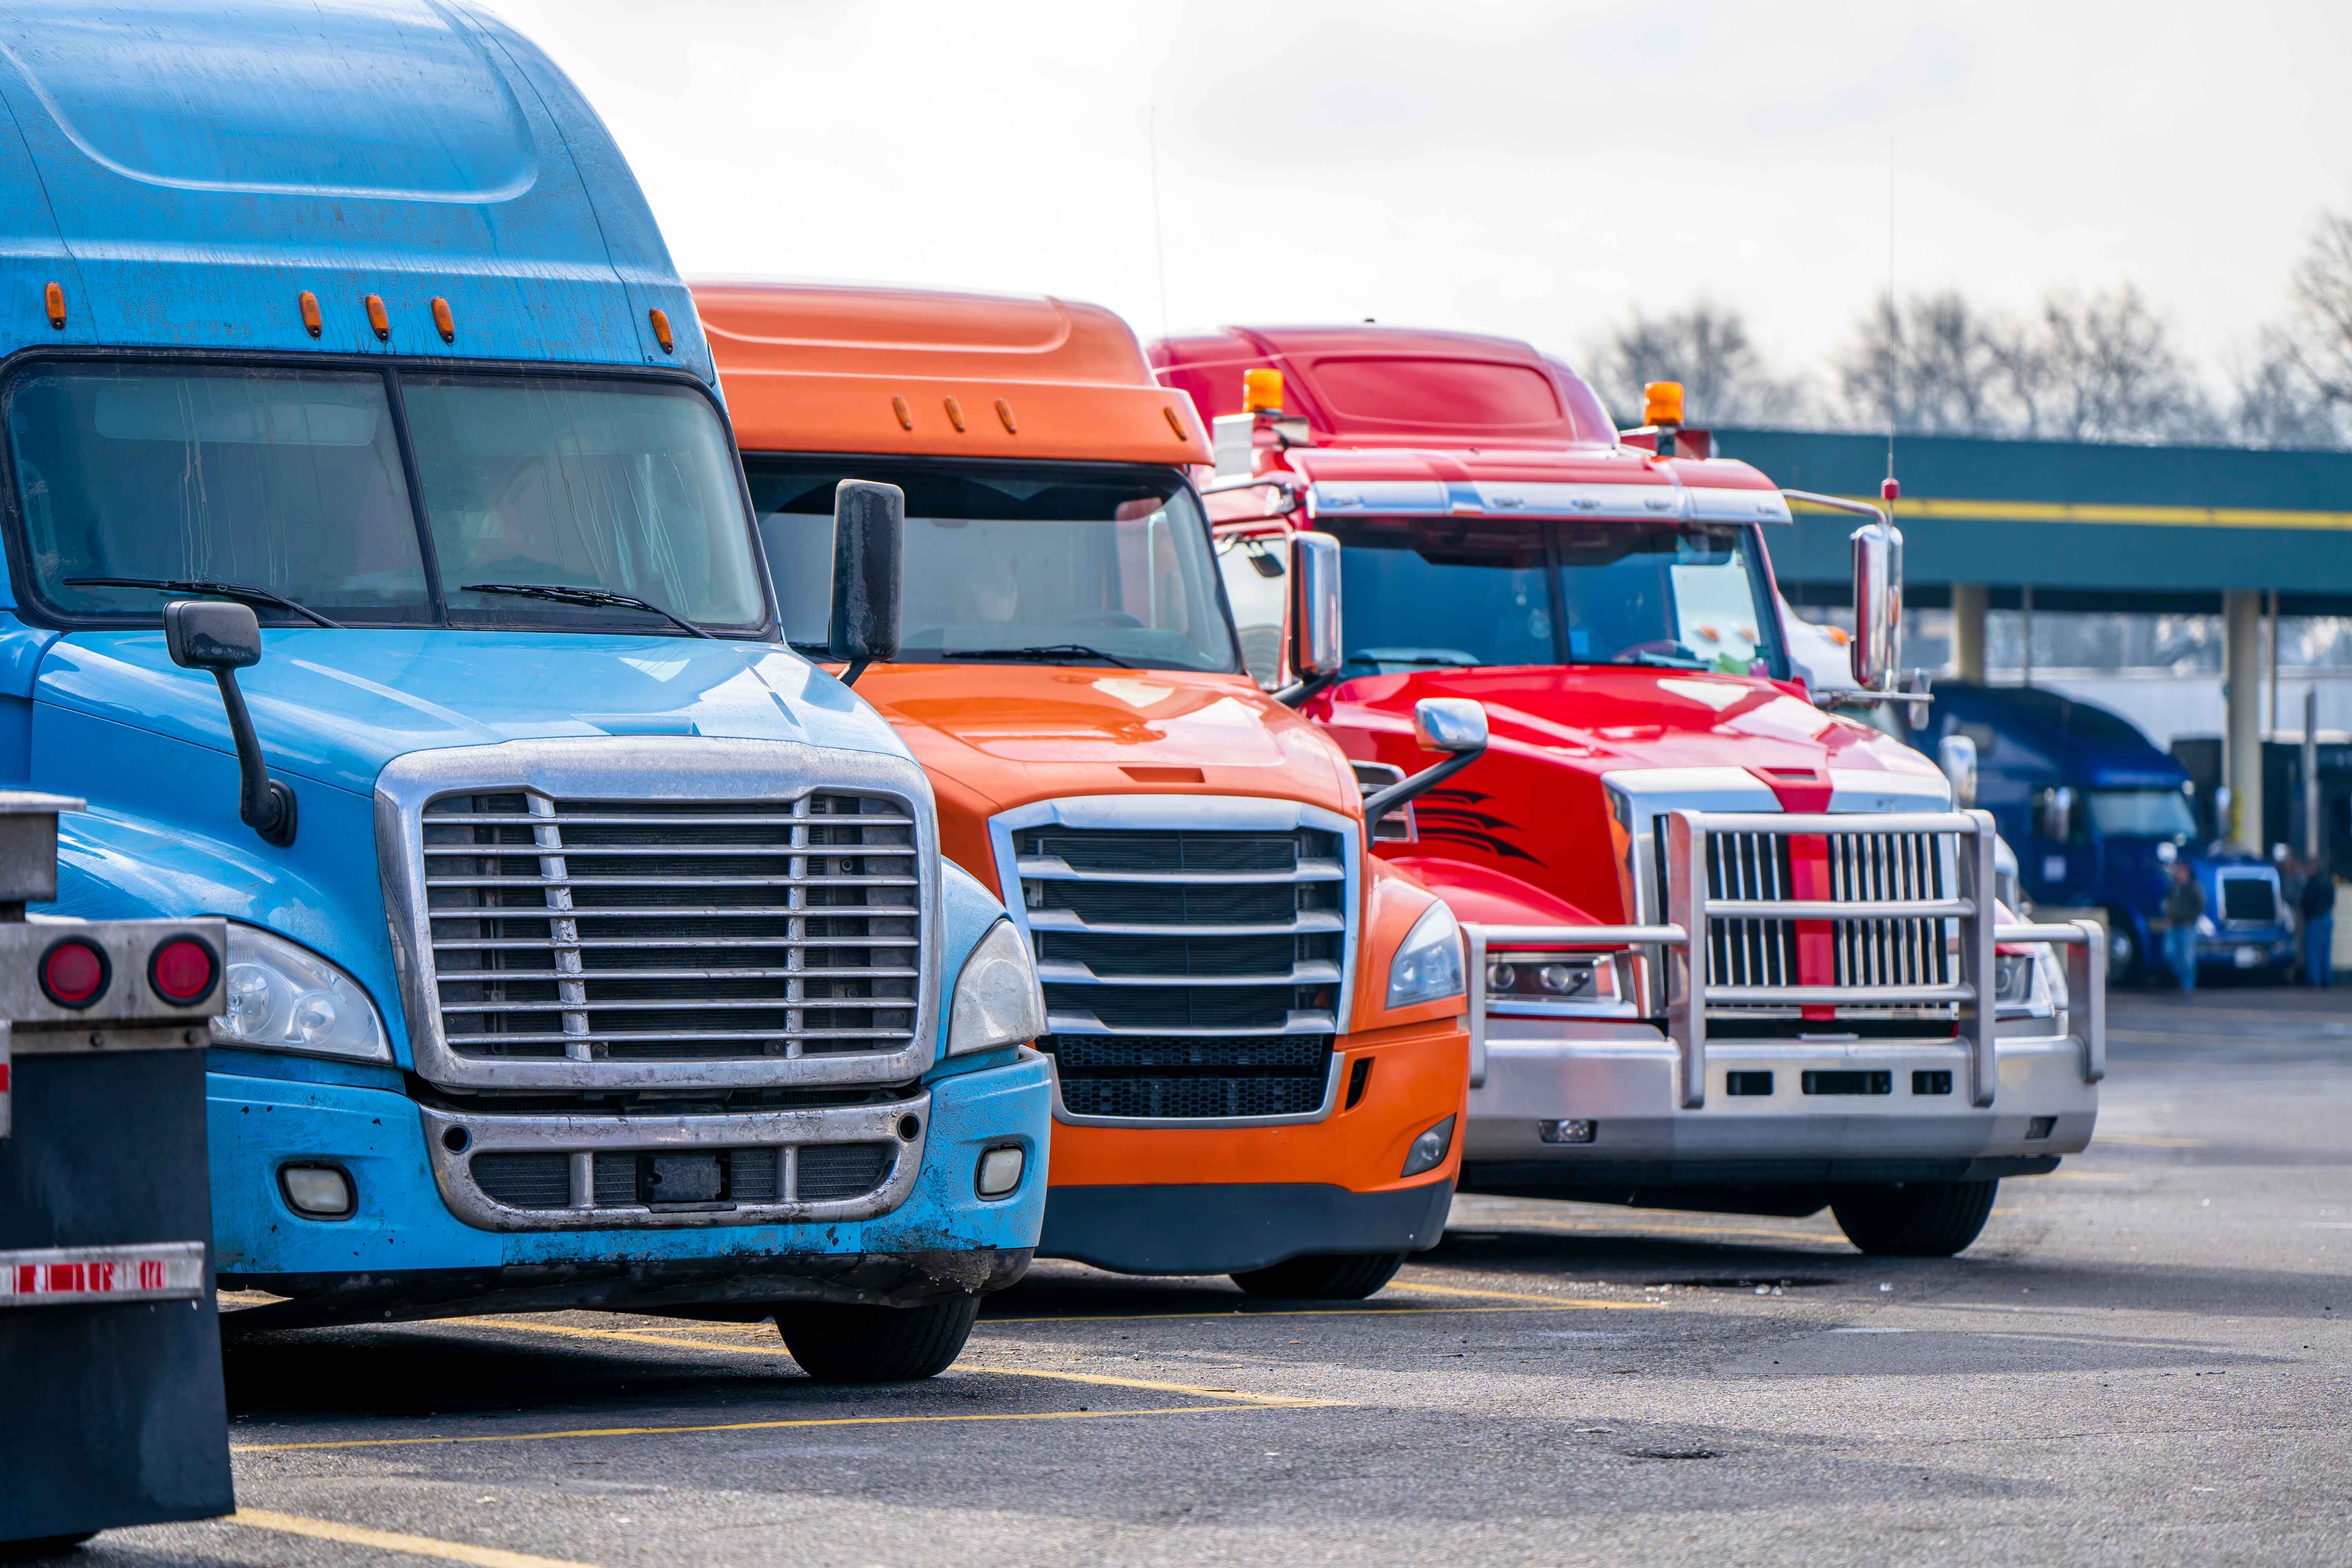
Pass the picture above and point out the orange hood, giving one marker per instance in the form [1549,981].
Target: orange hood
[1010,734]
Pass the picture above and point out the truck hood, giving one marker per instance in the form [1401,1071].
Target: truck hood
[335,706]
[1015,733]
[1599,719]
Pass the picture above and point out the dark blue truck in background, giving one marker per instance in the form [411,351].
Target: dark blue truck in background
[2097,816]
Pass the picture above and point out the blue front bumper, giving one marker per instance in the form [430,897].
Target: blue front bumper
[402,1253]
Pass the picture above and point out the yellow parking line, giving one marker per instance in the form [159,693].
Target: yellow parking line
[1633,1231]
[1410,1286]
[680,1341]
[2147,1140]
[1369,1310]
[391,1540]
[578,1432]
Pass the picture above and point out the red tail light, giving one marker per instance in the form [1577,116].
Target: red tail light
[182,970]
[75,971]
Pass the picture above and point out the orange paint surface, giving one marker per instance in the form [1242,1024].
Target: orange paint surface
[818,368]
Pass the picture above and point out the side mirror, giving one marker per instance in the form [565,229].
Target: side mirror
[869,537]
[1454,725]
[1314,606]
[1957,755]
[2057,813]
[222,638]
[212,634]
[1450,725]
[1877,647]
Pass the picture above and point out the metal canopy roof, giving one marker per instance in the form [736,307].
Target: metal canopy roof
[2078,522]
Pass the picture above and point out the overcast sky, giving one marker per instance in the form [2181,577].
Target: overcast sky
[1530,169]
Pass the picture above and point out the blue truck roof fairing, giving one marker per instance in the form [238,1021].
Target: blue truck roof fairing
[185,170]
[2079,741]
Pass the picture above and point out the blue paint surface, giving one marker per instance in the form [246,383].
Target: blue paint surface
[184,172]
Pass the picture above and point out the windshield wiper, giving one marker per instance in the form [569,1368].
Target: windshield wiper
[1050,653]
[589,598]
[1663,660]
[236,591]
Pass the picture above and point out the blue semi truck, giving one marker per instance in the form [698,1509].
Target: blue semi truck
[379,567]
[2098,817]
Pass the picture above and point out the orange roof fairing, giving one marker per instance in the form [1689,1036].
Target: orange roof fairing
[811,367]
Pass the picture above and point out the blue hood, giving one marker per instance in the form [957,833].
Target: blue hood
[335,706]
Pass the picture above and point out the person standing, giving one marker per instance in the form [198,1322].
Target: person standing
[2184,906]
[2316,904]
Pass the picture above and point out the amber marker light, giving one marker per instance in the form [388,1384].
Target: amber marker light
[1004,412]
[443,322]
[1261,391]
[660,319]
[955,414]
[1662,403]
[379,318]
[906,415]
[1176,423]
[308,304]
[54,296]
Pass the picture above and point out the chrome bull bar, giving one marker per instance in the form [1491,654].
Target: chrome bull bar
[1669,945]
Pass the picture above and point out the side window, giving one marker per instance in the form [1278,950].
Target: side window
[1256,570]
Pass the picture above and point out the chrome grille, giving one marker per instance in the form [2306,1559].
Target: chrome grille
[1863,868]
[653,931]
[1188,974]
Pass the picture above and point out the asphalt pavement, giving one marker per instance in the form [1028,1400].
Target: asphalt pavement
[2145,1359]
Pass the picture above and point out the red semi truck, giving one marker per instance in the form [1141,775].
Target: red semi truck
[1729,950]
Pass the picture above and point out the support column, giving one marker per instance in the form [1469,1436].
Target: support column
[2242,694]
[1969,602]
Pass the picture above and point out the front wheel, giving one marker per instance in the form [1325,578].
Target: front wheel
[1341,1277]
[2123,950]
[41,1548]
[1916,1219]
[878,1344]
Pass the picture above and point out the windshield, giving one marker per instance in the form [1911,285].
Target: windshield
[1014,563]
[1436,593]
[290,481]
[2143,814]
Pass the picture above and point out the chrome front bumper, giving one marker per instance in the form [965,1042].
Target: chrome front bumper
[1625,1080]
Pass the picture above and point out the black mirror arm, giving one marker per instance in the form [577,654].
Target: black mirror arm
[1299,691]
[263,804]
[1379,803]
[857,668]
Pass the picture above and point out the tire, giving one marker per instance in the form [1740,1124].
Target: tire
[2126,962]
[1919,1220]
[1341,1276]
[878,1344]
[39,1548]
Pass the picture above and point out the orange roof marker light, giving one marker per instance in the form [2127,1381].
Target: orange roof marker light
[308,304]
[380,319]
[906,415]
[443,322]
[660,319]
[1662,403]
[955,414]
[1004,412]
[1261,391]
[54,296]
[1176,423]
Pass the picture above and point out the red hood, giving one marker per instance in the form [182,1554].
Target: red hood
[1534,809]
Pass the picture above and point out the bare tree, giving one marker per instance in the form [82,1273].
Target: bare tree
[2102,369]
[2275,402]
[1707,348]
[1931,365]
[2111,373]
[2322,325]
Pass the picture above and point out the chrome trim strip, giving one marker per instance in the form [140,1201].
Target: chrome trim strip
[590,1135]
[651,768]
[1068,1118]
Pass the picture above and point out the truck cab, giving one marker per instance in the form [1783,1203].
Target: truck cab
[379,569]
[2098,817]
[1728,950]
[1255,1022]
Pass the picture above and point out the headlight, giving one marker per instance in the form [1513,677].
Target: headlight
[1428,964]
[282,998]
[2013,984]
[997,1002]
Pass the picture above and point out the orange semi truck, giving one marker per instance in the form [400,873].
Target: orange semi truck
[1256,1024]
